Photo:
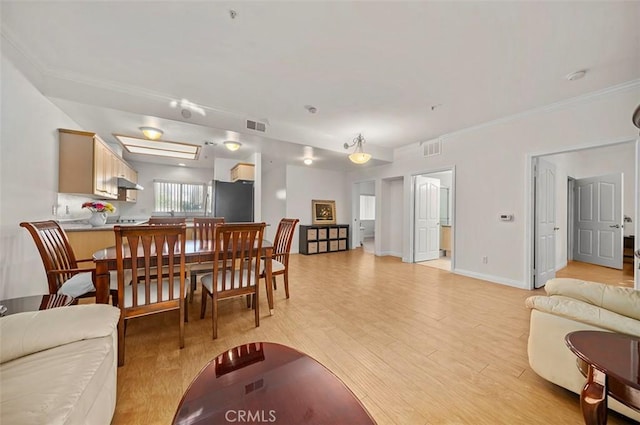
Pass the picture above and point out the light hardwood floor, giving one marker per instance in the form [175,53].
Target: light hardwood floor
[417,345]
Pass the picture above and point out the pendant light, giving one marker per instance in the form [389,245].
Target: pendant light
[358,156]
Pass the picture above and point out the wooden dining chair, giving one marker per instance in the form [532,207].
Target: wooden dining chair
[236,267]
[166,220]
[281,250]
[203,231]
[60,263]
[142,251]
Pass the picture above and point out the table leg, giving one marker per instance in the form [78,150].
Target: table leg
[593,398]
[102,283]
[268,275]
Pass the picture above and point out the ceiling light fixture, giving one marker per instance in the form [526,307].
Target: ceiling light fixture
[232,145]
[151,133]
[358,156]
[308,155]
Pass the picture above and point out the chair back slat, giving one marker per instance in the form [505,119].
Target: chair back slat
[55,251]
[283,239]
[204,228]
[151,273]
[236,257]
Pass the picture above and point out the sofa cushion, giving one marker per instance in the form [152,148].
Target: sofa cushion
[624,301]
[583,312]
[60,385]
[30,332]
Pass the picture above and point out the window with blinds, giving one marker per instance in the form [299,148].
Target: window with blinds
[180,197]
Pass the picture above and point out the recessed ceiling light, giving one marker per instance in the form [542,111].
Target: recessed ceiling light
[232,145]
[159,147]
[182,164]
[151,133]
[308,155]
[577,75]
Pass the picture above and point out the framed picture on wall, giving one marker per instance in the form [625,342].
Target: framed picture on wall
[323,212]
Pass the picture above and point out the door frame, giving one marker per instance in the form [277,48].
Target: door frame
[410,181]
[530,204]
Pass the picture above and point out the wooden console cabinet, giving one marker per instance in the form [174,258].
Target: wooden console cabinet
[326,238]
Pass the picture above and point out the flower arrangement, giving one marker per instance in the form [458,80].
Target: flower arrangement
[97,206]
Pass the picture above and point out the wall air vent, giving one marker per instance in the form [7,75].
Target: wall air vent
[256,125]
[432,148]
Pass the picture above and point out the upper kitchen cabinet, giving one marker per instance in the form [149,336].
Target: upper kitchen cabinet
[89,167]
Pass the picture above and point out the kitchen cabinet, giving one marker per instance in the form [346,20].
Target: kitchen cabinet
[87,166]
[445,240]
[323,238]
[242,171]
[127,195]
[85,243]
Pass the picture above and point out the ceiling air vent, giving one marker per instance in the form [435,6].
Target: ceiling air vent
[256,125]
[432,148]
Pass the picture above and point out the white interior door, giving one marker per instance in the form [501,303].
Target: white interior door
[545,222]
[598,237]
[427,219]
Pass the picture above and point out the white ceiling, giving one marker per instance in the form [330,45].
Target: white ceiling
[397,72]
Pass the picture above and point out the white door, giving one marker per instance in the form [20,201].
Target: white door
[427,219]
[545,222]
[598,237]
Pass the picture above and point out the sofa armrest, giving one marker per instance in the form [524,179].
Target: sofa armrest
[624,301]
[585,313]
[30,332]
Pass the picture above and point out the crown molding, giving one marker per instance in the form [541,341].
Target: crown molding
[549,108]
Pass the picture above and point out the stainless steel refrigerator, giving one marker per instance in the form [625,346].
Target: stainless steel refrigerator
[233,201]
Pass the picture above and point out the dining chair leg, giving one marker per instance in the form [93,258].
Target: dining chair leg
[214,317]
[274,282]
[186,311]
[256,305]
[203,303]
[183,318]
[286,282]
[249,301]
[193,286]
[121,328]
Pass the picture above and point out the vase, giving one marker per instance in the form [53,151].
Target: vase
[98,218]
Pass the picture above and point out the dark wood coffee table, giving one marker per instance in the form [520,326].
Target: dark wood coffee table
[34,303]
[611,363]
[265,382]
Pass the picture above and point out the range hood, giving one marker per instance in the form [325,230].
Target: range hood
[127,184]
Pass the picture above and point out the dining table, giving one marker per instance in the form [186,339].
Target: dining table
[195,252]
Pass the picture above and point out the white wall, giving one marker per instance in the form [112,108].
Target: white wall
[493,175]
[305,184]
[274,199]
[28,178]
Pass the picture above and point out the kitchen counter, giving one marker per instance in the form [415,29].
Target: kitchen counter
[83,226]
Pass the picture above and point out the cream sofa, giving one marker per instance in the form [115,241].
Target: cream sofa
[59,366]
[572,305]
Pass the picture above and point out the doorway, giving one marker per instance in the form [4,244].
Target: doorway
[589,169]
[433,217]
[364,231]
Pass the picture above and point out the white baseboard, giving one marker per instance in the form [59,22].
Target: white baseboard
[491,278]
[561,266]
[391,253]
